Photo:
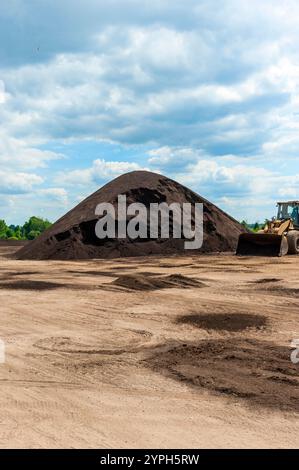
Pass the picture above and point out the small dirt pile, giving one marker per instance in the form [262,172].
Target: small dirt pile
[259,372]
[31,285]
[224,322]
[73,236]
[143,282]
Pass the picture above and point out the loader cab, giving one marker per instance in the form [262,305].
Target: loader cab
[289,210]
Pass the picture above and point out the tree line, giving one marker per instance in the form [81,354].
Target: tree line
[29,231]
[253,227]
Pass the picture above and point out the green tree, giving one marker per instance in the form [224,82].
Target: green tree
[256,227]
[33,234]
[10,233]
[3,229]
[30,230]
[34,227]
[245,224]
[18,234]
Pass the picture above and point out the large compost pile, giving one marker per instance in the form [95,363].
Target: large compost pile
[73,236]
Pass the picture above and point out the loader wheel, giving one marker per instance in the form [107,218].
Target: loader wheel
[293,242]
[284,248]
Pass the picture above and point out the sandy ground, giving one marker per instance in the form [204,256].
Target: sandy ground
[98,356]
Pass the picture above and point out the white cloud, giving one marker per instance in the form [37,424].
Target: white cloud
[21,155]
[289,193]
[168,156]
[58,194]
[3,95]
[156,48]
[100,171]
[146,83]
[247,191]
[237,178]
[15,182]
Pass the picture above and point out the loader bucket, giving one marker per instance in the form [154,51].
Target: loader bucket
[262,244]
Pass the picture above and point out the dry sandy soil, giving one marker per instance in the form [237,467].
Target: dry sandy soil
[149,352]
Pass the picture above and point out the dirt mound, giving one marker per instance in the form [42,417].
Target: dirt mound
[258,371]
[93,273]
[267,280]
[224,322]
[150,282]
[73,236]
[283,291]
[30,285]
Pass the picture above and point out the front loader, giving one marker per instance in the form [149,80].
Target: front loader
[279,237]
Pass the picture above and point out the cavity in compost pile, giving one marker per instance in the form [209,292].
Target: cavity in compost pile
[73,236]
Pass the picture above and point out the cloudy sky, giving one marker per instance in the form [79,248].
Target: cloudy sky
[204,91]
